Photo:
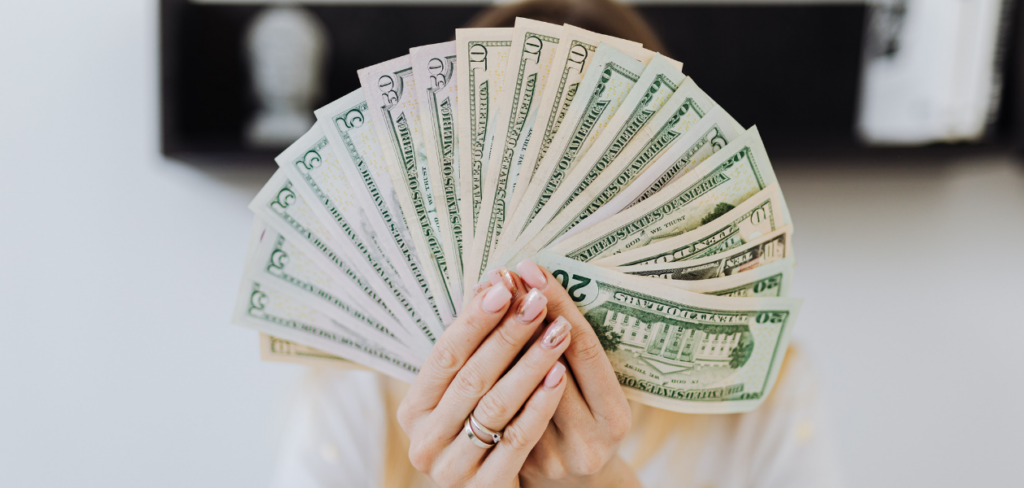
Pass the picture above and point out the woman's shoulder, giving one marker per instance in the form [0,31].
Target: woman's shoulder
[782,441]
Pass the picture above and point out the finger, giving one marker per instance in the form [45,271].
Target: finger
[573,410]
[508,395]
[585,355]
[490,361]
[522,433]
[496,409]
[454,348]
[503,276]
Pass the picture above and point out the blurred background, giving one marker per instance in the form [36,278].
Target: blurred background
[132,141]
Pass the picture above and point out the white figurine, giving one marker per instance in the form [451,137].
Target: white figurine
[287,48]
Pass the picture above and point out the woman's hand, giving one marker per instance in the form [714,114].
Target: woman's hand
[580,447]
[467,372]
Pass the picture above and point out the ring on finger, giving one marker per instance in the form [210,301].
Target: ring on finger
[468,429]
[478,427]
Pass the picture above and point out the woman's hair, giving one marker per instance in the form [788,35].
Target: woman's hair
[602,16]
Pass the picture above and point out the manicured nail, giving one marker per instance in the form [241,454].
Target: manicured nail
[495,299]
[554,376]
[531,273]
[479,287]
[502,277]
[531,306]
[556,333]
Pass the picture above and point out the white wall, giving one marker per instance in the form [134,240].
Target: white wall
[119,367]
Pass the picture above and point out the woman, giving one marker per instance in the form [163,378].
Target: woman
[521,362]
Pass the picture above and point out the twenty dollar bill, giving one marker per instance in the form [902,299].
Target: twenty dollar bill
[678,350]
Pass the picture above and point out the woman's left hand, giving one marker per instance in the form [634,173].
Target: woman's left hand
[580,445]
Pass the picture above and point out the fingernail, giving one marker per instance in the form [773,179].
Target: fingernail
[479,287]
[531,273]
[501,276]
[556,333]
[495,299]
[554,376]
[531,306]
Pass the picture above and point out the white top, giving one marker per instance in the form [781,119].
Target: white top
[336,437]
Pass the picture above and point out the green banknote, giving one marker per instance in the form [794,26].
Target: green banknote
[433,67]
[278,263]
[359,165]
[390,94]
[337,208]
[603,89]
[653,127]
[719,184]
[481,55]
[335,203]
[271,311]
[710,133]
[283,208]
[759,215]
[767,280]
[766,249]
[526,75]
[572,58]
[679,350]
[282,351]
[770,280]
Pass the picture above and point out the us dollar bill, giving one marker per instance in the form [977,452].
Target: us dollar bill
[283,208]
[723,181]
[773,279]
[642,134]
[276,313]
[659,82]
[335,203]
[763,250]
[390,94]
[482,55]
[572,58]
[769,280]
[678,350]
[526,74]
[759,215]
[278,263]
[712,132]
[433,68]
[337,209]
[359,162]
[605,88]
[281,351]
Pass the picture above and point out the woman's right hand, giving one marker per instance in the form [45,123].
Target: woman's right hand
[466,373]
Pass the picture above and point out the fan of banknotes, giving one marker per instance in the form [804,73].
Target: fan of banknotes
[598,159]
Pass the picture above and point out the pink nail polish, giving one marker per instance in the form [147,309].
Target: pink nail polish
[502,277]
[531,306]
[495,299]
[531,273]
[556,333]
[554,376]
[479,287]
